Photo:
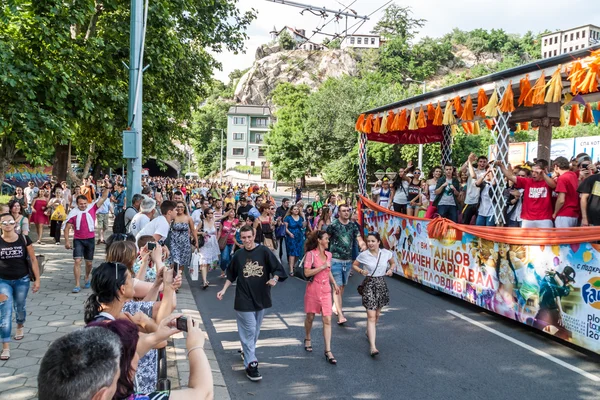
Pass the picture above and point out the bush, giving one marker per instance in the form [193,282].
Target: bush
[244,169]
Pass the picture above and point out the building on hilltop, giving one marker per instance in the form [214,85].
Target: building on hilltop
[299,36]
[563,42]
[247,126]
[362,41]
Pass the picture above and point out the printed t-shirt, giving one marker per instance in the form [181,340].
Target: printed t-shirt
[13,258]
[537,199]
[251,270]
[158,226]
[84,229]
[567,183]
[591,186]
[341,239]
[138,223]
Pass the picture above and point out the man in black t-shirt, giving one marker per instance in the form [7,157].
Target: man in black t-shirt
[243,208]
[255,269]
[590,200]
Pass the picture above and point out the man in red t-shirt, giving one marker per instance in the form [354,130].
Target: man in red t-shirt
[567,210]
[537,196]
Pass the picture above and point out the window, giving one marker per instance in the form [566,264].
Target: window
[257,137]
[545,54]
[577,35]
[239,120]
[373,41]
[252,163]
[259,123]
[571,36]
[583,34]
[237,151]
[566,38]
[359,40]
[545,42]
[351,40]
[555,39]
[583,45]
[554,52]
[238,136]
[262,152]
[576,47]
[565,51]
[570,49]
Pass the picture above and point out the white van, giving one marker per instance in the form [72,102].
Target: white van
[191,175]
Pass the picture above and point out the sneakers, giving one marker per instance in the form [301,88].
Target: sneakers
[76,289]
[87,285]
[252,372]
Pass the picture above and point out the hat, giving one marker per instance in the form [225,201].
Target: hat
[385,179]
[584,158]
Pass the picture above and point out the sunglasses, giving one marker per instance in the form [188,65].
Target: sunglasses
[6,223]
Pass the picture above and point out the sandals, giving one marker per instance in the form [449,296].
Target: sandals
[374,353]
[309,347]
[19,334]
[342,322]
[5,354]
[331,360]
[204,285]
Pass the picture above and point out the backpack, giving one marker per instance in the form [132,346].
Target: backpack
[119,225]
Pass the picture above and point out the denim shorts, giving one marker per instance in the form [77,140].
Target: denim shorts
[84,248]
[340,269]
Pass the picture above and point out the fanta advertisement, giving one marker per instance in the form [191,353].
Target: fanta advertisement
[554,288]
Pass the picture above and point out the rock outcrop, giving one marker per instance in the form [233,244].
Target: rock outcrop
[295,66]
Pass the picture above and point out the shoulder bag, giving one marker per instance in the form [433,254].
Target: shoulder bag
[299,269]
[361,287]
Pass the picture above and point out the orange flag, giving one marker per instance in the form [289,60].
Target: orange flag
[588,118]
[421,121]
[524,88]
[482,101]
[430,112]
[439,115]
[368,128]
[458,106]
[467,114]
[507,104]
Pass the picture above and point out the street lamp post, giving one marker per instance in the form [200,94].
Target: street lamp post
[420,163]
[221,164]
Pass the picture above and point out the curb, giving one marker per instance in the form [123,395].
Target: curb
[177,361]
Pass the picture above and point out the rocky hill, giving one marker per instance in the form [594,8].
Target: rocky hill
[296,66]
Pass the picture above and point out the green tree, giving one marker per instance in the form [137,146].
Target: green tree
[397,22]
[207,125]
[285,40]
[335,44]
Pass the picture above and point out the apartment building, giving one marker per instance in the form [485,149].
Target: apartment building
[247,126]
[361,41]
[563,42]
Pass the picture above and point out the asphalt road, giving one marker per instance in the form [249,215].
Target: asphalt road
[426,352]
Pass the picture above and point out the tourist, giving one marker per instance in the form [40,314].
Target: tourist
[227,233]
[159,227]
[118,198]
[254,269]
[377,263]
[280,214]
[264,227]
[58,213]
[39,214]
[399,193]
[446,193]
[317,204]
[143,217]
[324,219]
[102,218]
[294,239]
[20,198]
[183,236]
[317,298]
[22,223]
[209,253]
[30,193]
[83,220]
[342,232]
[131,211]
[486,183]
[298,192]
[14,280]
[243,208]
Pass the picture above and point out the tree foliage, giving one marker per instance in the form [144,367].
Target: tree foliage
[397,23]
[285,40]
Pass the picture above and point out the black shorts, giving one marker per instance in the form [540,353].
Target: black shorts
[84,248]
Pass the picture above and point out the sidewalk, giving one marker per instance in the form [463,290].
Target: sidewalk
[55,311]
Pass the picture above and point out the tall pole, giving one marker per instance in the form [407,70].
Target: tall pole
[221,164]
[421,145]
[134,165]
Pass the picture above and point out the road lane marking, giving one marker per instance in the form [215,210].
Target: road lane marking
[528,347]
[275,342]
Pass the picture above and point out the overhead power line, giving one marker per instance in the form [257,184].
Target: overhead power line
[321,10]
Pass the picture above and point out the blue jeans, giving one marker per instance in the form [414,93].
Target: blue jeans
[449,212]
[16,290]
[248,323]
[226,256]
[485,221]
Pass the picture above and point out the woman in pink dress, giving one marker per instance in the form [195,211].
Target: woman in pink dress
[38,212]
[317,299]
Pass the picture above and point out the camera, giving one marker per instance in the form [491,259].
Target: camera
[150,246]
[181,323]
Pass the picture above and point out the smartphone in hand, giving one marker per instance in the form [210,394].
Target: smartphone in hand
[150,246]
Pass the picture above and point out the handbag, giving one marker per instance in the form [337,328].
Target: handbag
[299,269]
[195,265]
[280,231]
[223,241]
[361,288]
[59,213]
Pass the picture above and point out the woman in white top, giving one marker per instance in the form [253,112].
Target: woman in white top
[383,194]
[376,262]
[434,175]
[399,193]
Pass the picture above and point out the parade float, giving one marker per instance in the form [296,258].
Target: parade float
[546,278]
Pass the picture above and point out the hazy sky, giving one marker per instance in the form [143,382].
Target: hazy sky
[514,16]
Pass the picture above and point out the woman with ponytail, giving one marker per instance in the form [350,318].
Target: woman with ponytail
[317,299]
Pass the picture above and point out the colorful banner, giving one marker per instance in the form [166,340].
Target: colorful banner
[20,174]
[527,151]
[552,288]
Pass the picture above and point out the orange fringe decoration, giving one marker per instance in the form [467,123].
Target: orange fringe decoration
[476,128]
[576,76]
[430,112]
[421,121]
[390,120]
[507,105]
[482,101]
[360,122]
[439,115]
[368,127]
[383,127]
[458,106]
[574,116]
[377,125]
[588,118]
[395,122]
[412,125]
[524,88]
[468,127]
[491,109]
[467,114]
[555,87]
[489,123]
[402,121]
[537,93]
[590,83]
[525,126]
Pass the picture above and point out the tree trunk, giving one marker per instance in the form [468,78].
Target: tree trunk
[7,154]
[88,162]
[303,182]
[61,162]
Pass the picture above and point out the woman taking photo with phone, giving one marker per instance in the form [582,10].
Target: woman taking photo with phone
[377,263]
[14,280]
[317,298]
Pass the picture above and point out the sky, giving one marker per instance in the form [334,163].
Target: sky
[514,16]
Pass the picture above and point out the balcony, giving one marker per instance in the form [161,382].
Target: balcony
[259,123]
